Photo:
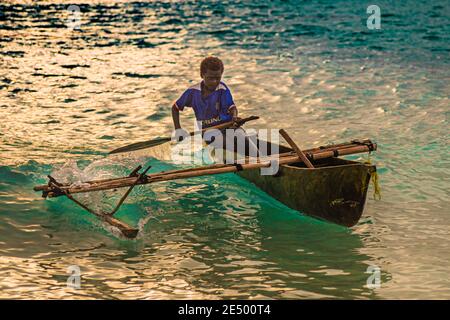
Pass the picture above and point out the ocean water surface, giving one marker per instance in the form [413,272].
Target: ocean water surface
[68,96]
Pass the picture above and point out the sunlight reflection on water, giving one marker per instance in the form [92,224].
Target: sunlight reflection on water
[74,95]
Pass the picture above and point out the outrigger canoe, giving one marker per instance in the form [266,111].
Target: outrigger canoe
[315,182]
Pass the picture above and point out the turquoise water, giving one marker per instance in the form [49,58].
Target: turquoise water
[311,67]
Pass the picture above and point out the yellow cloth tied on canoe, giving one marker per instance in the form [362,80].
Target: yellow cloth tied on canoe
[376,182]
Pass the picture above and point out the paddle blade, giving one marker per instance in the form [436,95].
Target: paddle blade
[141,145]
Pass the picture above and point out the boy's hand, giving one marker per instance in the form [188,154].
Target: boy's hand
[235,120]
[179,134]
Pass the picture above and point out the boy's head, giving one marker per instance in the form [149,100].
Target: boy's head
[211,70]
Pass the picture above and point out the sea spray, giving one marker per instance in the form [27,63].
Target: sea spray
[74,174]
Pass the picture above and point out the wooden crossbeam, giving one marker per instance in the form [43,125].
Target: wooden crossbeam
[285,158]
[297,150]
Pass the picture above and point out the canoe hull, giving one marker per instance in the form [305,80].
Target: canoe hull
[334,191]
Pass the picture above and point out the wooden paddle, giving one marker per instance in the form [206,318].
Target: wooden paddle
[159,141]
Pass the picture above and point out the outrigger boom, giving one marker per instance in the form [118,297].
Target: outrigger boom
[288,156]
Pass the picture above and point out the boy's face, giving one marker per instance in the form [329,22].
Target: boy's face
[212,79]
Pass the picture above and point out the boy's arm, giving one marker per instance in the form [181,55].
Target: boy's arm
[227,100]
[176,117]
[234,113]
[183,101]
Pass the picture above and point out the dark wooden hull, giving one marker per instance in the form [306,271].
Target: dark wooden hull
[334,191]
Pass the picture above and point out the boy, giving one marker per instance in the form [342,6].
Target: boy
[211,99]
[213,104]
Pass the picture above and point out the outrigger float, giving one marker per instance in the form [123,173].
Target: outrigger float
[315,182]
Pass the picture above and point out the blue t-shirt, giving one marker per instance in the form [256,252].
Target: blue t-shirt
[210,110]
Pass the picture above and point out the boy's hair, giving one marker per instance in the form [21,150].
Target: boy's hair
[211,63]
